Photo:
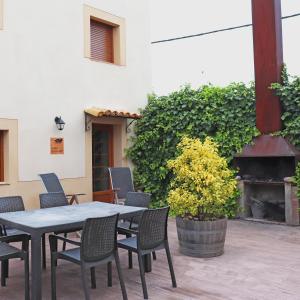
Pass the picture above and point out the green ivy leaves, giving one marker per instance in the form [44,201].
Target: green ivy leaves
[289,93]
[225,113]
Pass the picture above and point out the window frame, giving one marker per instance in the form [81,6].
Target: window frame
[2,166]
[9,128]
[118,24]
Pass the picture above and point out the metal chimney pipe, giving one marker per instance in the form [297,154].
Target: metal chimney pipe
[268,62]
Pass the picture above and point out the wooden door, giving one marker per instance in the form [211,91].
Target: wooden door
[102,145]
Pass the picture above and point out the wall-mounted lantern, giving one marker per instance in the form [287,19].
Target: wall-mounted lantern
[60,124]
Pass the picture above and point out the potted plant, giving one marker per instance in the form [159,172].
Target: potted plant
[297,180]
[199,195]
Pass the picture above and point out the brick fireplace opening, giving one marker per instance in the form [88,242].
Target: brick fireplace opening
[263,168]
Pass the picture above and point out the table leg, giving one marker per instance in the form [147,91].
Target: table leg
[147,263]
[36,267]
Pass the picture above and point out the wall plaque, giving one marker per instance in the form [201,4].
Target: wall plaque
[56,145]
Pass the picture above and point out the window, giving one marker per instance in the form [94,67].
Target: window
[102,46]
[8,151]
[1,155]
[104,36]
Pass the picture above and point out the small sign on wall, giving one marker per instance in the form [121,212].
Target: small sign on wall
[56,145]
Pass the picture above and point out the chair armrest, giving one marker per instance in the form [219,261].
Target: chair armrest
[128,230]
[16,238]
[53,242]
[115,192]
[66,240]
[75,194]
[2,233]
[73,197]
[4,239]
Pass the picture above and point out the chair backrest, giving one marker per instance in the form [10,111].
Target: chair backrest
[153,228]
[99,238]
[51,183]
[11,203]
[138,199]
[121,179]
[53,200]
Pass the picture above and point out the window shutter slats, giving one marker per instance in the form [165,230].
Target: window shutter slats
[101,41]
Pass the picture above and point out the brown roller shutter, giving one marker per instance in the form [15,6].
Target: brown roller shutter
[102,41]
[1,155]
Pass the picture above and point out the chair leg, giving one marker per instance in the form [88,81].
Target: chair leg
[64,243]
[109,274]
[128,235]
[122,284]
[93,277]
[3,275]
[25,245]
[26,269]
[130,259]
[6,268]
[85,283]
[53,277]
[23,248]
[154,255]
[44,250]
[142,274]
[174,284]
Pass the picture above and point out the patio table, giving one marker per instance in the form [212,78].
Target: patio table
[40,221]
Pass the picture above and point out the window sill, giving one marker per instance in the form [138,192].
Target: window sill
[105,62]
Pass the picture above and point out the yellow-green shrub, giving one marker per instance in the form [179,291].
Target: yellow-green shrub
[203,183]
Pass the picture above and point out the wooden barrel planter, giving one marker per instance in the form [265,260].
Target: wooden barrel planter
[201,238]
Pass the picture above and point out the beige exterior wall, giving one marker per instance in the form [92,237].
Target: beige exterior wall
[30,190]
[45,73]
[1,14]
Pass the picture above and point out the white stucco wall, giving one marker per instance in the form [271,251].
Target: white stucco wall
[219,58]
[43,74]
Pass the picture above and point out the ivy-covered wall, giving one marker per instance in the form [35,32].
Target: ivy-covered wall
[225,113]
[289,93]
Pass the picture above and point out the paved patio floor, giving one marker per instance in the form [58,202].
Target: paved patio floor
[260,262]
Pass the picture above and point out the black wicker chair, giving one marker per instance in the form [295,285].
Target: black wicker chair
[151,236]
[53,185]
[137,199]
[11,204]
[49,200]
[121,183]
[98,246]
[129,226]
[8,252]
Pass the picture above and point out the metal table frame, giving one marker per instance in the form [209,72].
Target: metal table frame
[40,221]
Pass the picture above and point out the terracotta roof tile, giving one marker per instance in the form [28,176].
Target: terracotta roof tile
[103,112]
